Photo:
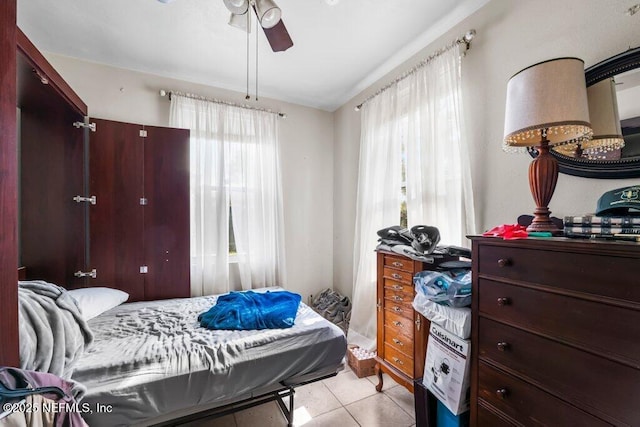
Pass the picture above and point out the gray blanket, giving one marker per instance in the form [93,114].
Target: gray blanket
[53,334]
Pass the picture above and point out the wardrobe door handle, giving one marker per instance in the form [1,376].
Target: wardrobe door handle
[504,262]
[502,301]
[502,393]
[502,346]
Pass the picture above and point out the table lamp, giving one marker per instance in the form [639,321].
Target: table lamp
[546,106]
[607,139]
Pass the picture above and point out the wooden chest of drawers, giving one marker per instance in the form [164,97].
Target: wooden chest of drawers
[402,332]
[555,333]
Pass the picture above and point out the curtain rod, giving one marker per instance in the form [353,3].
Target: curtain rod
[169,93]
[466,39]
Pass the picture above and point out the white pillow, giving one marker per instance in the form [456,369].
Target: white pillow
[95,301]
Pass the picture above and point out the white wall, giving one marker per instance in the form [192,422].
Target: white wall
[511,35]
[306,141]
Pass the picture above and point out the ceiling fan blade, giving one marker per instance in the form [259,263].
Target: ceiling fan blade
[278,37]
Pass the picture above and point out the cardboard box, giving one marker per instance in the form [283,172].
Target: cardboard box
[361,367]
[446,369]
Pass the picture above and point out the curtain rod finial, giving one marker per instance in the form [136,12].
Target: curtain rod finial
[358,107]
[163,92]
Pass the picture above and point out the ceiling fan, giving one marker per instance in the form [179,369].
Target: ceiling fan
[269,16]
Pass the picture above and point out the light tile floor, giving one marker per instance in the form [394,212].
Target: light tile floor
[344,400]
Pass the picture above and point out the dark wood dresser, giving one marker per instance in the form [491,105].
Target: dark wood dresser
[402,332]
[555,333]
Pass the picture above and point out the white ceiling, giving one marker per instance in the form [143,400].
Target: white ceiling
[339,49]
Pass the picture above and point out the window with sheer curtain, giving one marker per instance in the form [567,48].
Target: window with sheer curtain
[411,152]
[236,196]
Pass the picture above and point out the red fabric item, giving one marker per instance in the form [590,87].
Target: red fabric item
[508,231]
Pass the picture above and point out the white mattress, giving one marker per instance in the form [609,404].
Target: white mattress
[152,359]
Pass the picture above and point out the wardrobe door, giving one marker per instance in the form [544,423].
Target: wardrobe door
[52,225]
[116,220]
[166,217]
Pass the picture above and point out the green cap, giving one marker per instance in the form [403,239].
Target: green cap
[621,201]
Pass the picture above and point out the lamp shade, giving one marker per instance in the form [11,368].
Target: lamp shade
[547,98]
[237,7]
[268,13]
[605,120]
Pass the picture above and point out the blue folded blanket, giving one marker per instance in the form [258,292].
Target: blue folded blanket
[251,310]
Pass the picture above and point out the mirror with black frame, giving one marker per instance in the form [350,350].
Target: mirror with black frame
[613,88]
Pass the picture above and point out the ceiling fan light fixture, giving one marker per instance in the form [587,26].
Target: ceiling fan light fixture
[241,22]
[268,13]
[237,7]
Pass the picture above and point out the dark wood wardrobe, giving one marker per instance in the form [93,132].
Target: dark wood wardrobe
[46,160]
[139,226]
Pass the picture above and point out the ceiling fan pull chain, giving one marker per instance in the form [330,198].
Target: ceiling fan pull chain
[247,97]
[257,65]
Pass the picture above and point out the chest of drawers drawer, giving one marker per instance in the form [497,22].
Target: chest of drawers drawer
[400,276]
[527,404]
[596,274]
[610,389]
[396,324]
[598,327]
[398,263]
[398,359]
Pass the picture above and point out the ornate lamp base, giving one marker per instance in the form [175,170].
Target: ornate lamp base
[543,176]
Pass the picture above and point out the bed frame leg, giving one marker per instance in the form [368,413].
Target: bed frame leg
[286,411]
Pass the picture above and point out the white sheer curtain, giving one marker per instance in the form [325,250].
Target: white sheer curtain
[438,177]
[378,205]
[234,171]
[423,111]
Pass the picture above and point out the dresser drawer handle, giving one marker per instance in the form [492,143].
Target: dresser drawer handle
[502,393]
[502,346]
[502,301]
[397,298]
[396,323]
[397,264]
[396,276]
[398,361]
[397,287]
[397,341]
[504,262]
[396,309]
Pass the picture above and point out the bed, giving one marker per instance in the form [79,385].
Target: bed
[150,363]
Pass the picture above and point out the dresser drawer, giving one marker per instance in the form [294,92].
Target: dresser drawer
[399,342]
[404,310]
[398,262]
[486,418]
[604,388]
[393,286]
[398,359]
[396,324]
[398,275]
[602,328]
[528,404]
[582,272]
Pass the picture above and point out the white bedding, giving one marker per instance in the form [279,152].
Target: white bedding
[150,359]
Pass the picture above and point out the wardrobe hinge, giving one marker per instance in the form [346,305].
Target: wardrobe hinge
[79,125]
[143,201]
[143,133]
[93,273]
[93,200]
[144,269]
